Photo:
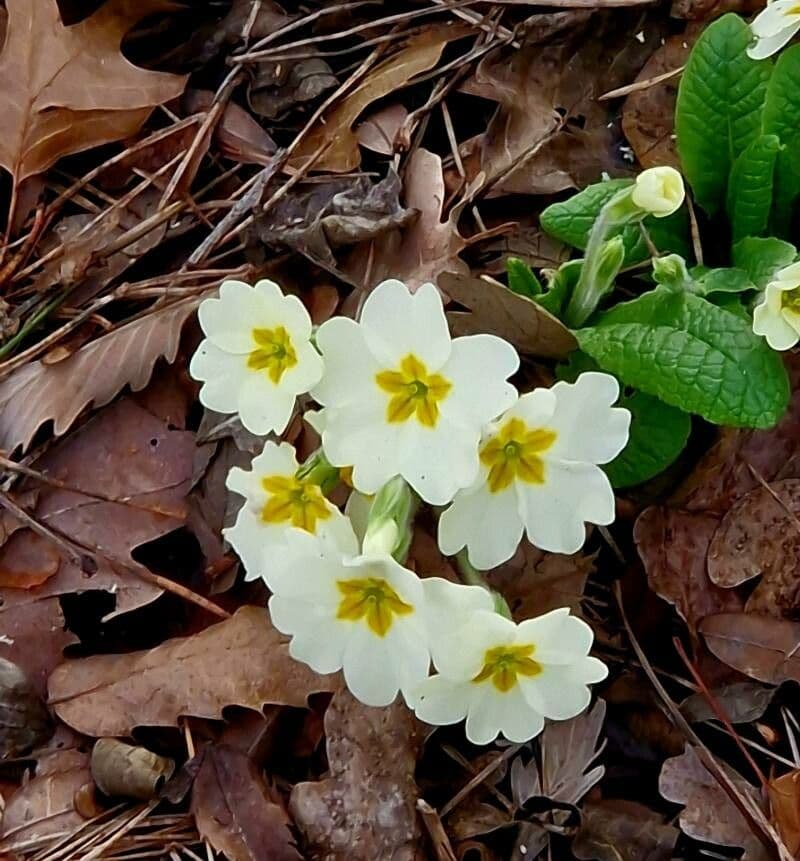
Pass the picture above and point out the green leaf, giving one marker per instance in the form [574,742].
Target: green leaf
[718,112]
[750,187]
[521,278]
[560,285]
[571,220]
[658,435]
[721,281]
[761,258]
[693,355]
[782,118]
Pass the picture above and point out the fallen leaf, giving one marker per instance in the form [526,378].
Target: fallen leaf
[123,453]
[707,10]
[379,130]
[760,536]
[648,115]
[619,830]
[496,309]
[125,771]
[66,89]
[426,247]
[24,721]
[742,702]
[278,87]
[784,798]
[673,545]
[94,375]
[242,661]
[234,812]
[335,127]
[762,647]
[366,809]
[709,814]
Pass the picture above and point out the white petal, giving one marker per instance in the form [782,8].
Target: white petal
[461,655]
[263,406]
[588,428]
[773,19]
[555,692]
[249,537]
[766,46]
[286,311]
[395,323]
[488,524]
[479,367]
[559,638]
[273,459]
[357,509]
[322,648]
[370,667]
[773,326]
[494,712]
[228,321]
[438,462]
[337,531]
[555,512]
[223,373]
[304,567]
[448,607]
[303,376]
[535,408]
[350,368]
[440,701]
[788,277]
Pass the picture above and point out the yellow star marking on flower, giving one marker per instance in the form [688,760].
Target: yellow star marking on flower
[790,299]
[414,392]
[274,352]
[294,501]
[503,664]
[371,599]
[513,452]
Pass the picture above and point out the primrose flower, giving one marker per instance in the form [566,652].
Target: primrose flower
[777,316]
[507,678]
[257,355]
[401,398]
[360,614]
[659,191]
[277,499]
[539,473]
[773,27]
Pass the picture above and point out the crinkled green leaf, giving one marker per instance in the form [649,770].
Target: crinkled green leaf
[782,118]
[761,258]
[521,278]
[725,280]
[750,187]
[719,106]
[571,220]
[693,355]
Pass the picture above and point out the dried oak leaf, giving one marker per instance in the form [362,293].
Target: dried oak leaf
[66,89]
[673,545]
[234,812]
[761,646]
[242,661]
[334,130]
[424,248]
[24,720]
[760,536]
[127,455]
[709,814]
[366,809]
[784,797]
[95,374]
[615,829]
[496,309]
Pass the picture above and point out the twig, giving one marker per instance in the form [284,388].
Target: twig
[638,86]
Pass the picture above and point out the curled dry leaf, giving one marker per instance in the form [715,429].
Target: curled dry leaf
[760,646]
[366,809]
[335,128]
[95,374]
[242,661]
[709,814]
[618,830]
[784,798]
[742,702]
[234,812]
[379,130]
[125,771]
[24,720]
[496,309]
[66,89]
[760,535]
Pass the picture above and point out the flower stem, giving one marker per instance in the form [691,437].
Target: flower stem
[470,576]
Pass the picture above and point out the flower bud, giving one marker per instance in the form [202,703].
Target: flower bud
[659,191]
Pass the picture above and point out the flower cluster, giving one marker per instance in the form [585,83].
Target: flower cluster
[410,414]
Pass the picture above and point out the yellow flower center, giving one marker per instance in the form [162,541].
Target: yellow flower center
[274,352]
[513,452]
[414,392]
[373,600]
[794,10]
[294,501]
[790,300]
[503,664]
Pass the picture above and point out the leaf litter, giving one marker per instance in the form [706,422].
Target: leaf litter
[153,151]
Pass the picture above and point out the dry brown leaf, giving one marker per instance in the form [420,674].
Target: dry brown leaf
[615,829]
[379,130]
[234,812]
[760,646]
[366,809]
[242,661]
[784,798]
[126,771]
[709,813]
[66,89]
[24,721]
[278,87]
[496,309]
[93,375]
[420,53]
[742,702]
[707,10]
[673,545]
